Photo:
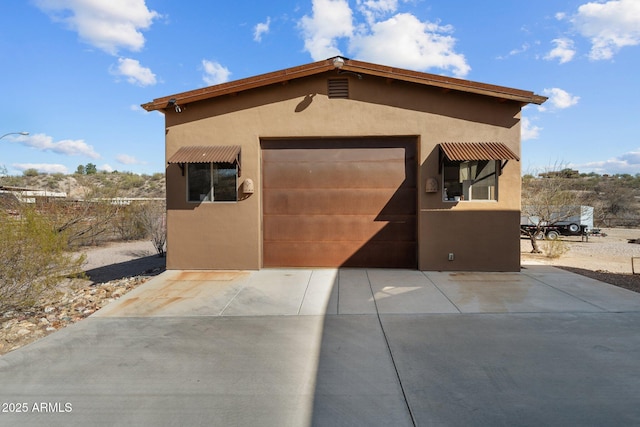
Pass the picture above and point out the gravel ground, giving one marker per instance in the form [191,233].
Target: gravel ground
[607,258]
[122,259]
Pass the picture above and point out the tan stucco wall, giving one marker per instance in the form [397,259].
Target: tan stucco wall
[229,236]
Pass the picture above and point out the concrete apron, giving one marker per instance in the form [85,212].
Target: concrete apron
[282,292]
[341,347]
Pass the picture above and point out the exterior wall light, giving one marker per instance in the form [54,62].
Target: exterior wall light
[431,186]
[174,103]
[338,62]
[247,186]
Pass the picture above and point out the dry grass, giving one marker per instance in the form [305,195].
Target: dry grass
[554,249]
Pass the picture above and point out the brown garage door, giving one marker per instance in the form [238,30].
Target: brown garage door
[340,202]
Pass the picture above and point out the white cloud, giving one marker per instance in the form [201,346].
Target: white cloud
[214,73]
[525,47]
[626,163]
[108,25]
[106,167]
[528,130]
[373,9]
[134,72]
[332,19]
[405,41]
[42,167]
[66,147]
[610,26]
[379,6]
[564,50]
[260,29]
[559,99]
[125,159]
[381,35]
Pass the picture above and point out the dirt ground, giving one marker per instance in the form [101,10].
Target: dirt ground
[609,258]
[121,259]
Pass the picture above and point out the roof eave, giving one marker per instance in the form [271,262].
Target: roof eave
[240,85]
[359,67]
[444,82]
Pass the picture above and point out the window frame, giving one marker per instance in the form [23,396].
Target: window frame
[210,196]
[495,173]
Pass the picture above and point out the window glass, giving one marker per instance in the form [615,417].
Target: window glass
[470,180]
[199,182]
[212,182]
[224,182]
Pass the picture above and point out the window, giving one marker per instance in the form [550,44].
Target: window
[212,182]
[470,180]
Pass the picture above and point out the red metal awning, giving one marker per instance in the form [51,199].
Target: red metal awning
[207,154]
[477,151]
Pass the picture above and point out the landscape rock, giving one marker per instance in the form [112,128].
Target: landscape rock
[55,312]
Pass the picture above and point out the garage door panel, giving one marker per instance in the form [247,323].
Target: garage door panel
[350,155]
[344,254]
[340,202]
[306,175]
[328,228]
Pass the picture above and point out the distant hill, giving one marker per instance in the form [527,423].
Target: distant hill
[77,186]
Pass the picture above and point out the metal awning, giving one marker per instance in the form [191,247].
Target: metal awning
[206,154]
[477,151]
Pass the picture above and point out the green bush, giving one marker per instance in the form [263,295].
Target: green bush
[34,259]
[129,181]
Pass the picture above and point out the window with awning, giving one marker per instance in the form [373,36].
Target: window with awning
[212,172]
[471,169]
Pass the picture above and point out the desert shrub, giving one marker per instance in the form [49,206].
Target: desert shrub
[52,183]
[87,221]
[128,223]
[555,248]
[129,181]
[34,258]
[154,220]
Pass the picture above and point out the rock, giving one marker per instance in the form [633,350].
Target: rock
[26,324]
[56,311]
[9,324]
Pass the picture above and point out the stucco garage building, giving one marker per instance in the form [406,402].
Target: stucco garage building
[344,163]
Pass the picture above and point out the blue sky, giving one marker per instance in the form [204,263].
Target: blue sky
[74,72]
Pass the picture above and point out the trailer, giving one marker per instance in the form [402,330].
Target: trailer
[565,221]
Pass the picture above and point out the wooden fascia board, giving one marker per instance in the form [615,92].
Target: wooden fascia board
[239,85]
[447,83]
[357,67]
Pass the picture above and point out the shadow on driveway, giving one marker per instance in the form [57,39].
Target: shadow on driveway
[373,347]
[149,266]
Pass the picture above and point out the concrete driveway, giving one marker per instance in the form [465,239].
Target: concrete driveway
[347,347]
